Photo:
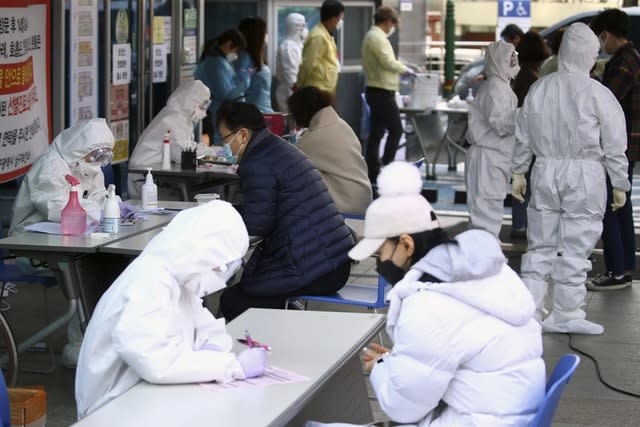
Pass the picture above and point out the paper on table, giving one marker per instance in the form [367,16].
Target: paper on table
[272,375]
[54,228]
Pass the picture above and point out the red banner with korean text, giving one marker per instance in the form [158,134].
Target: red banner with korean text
[25,119]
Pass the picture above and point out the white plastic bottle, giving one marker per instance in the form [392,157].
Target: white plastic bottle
[166,151]
[149,193]
[111,217]
[469,97]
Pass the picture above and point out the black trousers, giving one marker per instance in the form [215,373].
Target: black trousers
[385,116]
[234,300]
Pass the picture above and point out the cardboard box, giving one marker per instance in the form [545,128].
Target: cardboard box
[28,406]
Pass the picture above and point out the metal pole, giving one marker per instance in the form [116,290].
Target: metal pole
[107,60]
[449,39]
[58,72]
[141,67]
[150,80]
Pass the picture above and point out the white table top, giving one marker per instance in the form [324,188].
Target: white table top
[31,241]
[443,107]
[173,205]
[304,342]
[209,171]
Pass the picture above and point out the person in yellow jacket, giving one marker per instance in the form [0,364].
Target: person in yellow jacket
[319,67]
[382,70]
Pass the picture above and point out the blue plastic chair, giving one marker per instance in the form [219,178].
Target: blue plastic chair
[5,412]
[556,383]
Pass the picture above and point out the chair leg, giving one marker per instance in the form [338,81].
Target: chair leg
[375,310]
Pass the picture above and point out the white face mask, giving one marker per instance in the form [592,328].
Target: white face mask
[391,31]
[87,169]
[198,114]
[340,24]
[266,39]
[304,33]
[232,56]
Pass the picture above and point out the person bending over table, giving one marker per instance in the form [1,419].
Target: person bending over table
[150,325]
[288,204]
[467,349]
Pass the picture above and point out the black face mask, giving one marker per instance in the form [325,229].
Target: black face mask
[389,271]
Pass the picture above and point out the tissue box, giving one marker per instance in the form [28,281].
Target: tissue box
[28,406]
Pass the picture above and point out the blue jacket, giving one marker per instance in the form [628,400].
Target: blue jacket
[287,202]
[223,82]
[259,91]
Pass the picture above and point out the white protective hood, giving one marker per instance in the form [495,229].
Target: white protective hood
[467,270]
[201,240]
[578,50]
[80,139]
[498,59]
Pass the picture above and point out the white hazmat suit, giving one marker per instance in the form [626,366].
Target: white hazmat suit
[186,105]
[289,57]
[492,126]
[44,192]
[576,128]
[150,325]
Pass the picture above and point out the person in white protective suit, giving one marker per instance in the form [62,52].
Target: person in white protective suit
[289,57]
[466,347]
[151,326]
[81,151]
[491,133]
[576,128]
[186,106]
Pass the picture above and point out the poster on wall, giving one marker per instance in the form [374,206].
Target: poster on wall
[24,84]
[83,91]
[120,130]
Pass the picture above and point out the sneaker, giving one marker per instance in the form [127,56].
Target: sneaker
[607,282]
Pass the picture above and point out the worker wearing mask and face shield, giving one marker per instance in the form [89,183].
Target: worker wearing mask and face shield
[576,129]
[81,150]
[186,106]
[492,127]
[289,57]
[151,326]
[466,347]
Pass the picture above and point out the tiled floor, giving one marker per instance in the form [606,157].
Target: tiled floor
[586,401]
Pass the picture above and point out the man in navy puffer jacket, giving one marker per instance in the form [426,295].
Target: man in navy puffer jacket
[287,203]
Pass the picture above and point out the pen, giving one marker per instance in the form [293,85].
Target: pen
[248,341]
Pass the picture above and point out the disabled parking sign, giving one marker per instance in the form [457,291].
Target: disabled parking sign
[513,12]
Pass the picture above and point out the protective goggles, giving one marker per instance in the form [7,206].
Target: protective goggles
[205,105]
[103,156]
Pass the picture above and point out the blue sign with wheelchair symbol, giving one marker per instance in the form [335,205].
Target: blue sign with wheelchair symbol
[514,8]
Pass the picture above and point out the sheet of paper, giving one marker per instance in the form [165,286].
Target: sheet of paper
[272,375]
[54,228]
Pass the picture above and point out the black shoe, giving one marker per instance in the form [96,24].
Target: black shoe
[607,282]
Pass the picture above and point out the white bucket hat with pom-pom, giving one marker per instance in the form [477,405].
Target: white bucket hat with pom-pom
[400,209]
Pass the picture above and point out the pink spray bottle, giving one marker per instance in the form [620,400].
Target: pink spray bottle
[73,219]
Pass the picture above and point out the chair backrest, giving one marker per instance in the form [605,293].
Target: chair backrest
[556,383]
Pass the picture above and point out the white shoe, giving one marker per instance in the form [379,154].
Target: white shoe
[574,326]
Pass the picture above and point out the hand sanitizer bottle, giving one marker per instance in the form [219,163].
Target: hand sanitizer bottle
[166,151]
[149,193]
[469,97]
[73,219]
[111,217]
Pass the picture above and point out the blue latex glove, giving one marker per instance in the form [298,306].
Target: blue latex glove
[409,73]
[253,361]
[127,210]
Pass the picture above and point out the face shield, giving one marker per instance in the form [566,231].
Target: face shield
[102,156]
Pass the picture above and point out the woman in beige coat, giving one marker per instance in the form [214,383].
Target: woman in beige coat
[333,148]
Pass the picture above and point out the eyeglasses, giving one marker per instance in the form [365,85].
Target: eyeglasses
[103,155]
[232,133]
